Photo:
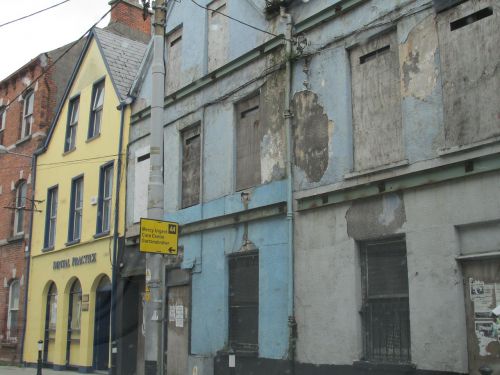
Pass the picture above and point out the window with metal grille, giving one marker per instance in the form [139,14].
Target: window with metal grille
[244,301]
[386,321]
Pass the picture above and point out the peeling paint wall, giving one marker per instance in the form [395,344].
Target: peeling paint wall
[312,134]
[376,218]
[470,62]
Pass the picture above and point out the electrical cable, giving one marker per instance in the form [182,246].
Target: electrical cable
[32,14]
[45,70]
[242,22]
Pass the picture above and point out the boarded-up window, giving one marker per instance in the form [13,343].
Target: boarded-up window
[244,301]
[191,154]
[248,136]
[376,103]
[385,310]
[174,59]
[217,34]
[141,181]
[470,63]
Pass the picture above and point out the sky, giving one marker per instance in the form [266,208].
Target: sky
[23,40]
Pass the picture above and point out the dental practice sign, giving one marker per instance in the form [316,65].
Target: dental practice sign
[158,236]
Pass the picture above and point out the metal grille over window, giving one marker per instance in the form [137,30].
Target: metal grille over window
[385,308]
[244,301]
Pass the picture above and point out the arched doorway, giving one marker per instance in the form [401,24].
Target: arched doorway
[50,324]
[102,324]
[74,315]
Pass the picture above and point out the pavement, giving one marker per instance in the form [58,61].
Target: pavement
[11,370]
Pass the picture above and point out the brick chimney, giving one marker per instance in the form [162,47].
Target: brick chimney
[128,13]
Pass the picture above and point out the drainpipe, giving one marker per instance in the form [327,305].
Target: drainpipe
[114,270]
[292,325]
[28,254]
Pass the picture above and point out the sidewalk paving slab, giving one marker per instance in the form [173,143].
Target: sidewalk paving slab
[12,370]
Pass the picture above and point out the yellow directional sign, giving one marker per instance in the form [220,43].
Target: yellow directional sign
[158,237]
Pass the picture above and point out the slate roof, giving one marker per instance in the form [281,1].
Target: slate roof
[123,58]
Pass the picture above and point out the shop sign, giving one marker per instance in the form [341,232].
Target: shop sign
[158,236]
[74,262]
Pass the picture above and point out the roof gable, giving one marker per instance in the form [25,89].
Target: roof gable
[122,57]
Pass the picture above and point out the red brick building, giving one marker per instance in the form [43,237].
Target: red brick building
[27,106]
[26,109]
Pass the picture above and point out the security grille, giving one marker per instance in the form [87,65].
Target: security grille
[385,309]
[244,301]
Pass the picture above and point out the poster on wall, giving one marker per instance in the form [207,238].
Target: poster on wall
[485,297]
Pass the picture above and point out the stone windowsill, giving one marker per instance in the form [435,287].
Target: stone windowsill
[16,238]
[23,140]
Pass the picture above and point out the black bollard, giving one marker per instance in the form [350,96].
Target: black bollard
[485,370]
[39,363]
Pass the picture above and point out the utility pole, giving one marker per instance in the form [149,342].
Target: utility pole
[153,356]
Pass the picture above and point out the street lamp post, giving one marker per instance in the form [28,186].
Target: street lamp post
[39,364]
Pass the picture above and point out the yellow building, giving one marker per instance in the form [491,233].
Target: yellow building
[76,230]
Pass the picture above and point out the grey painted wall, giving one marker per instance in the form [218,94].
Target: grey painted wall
[327,270]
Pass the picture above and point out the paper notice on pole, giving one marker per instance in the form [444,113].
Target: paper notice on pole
[179,322]
[171,313]
[232,360]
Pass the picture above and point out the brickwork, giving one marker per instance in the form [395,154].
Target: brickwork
[14,170]
[130,13]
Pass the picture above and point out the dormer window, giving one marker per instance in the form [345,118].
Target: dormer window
[27,121]
[96,110]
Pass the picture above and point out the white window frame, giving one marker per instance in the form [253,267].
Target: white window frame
[20,206]
[76,218]
[51,217]
[13,308]
[106,192]
[3,114]
[74,107]
[3,118]
[96,110]
[27,123]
